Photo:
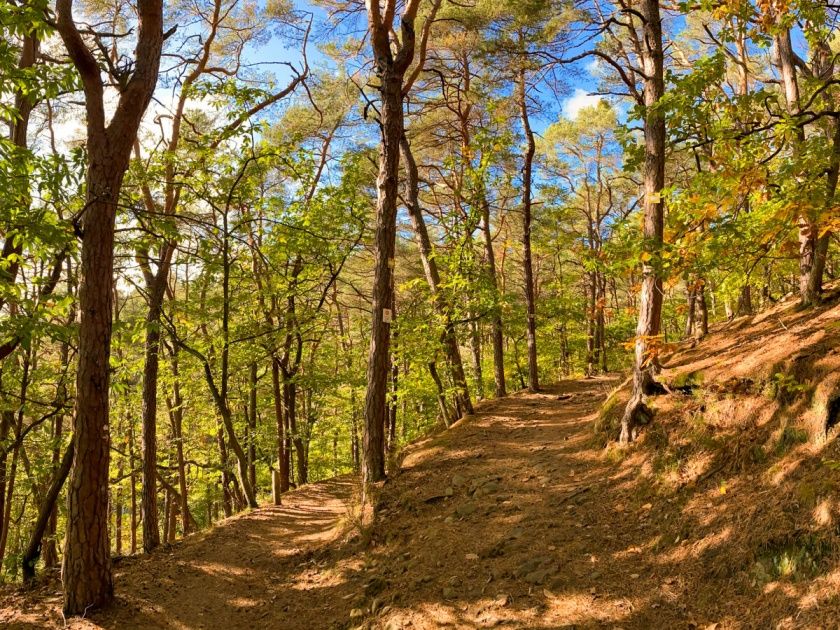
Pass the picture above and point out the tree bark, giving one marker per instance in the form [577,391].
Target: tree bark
[282,459]
[86,569]
[176,415]
[650,300]
[430,268]
[498,330]
[33,548]
[151,367]
[527,263]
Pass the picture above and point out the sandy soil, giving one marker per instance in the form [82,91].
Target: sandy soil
[514,518]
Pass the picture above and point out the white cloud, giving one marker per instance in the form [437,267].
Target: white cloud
[579,100]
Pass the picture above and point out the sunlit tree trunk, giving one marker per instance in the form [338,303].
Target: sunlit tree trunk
[650,299]
[527,262]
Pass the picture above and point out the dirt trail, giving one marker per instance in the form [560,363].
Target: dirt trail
[513,518]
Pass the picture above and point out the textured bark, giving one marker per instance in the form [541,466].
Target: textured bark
[745,305]
[445,412]
[33,548]
[176,415]
[373,446]
[252,425]
[133,481]
[527,263]
[650,300]
[391,66]
[690,308]
[86,569]
[498,330]
[282,454]
[591,323]
[809,288]
[290,397]
[148,499]
[815,275]
[430,269]
[701,328]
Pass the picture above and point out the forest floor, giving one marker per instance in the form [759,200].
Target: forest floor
[516,517]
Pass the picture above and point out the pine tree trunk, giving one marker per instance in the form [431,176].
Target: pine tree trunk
[45,515]
[279,416]
[86,567]
[252,426]
[151,368]
[373,447]
[498,332]
[177,414]
[430,268]
[527,263]
[133,480]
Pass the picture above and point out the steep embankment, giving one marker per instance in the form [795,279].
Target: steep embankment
[724,515]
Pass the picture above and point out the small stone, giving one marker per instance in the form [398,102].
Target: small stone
[448,519]
[471,556]
[502,599]
[537,577]
[449,592]
[356,613]
[458,480]
[465,509]
[449,491]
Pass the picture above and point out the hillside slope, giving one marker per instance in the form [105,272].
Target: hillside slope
[723,515]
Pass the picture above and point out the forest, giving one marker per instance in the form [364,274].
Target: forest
[249,245]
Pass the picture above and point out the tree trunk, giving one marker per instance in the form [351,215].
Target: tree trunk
[177,414]
[86,567]
[118,523]
[390,70]
[448,417]
[689,319]
[430,268]
[395,377]
[498,332]
[33,549]
[602,322]
[702,329]
[133,481]
[151,367]
[290,398]
[650,300]
[591,299]
[252,425]
[282,459]
[745,305]
[373,447]
[527,263]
